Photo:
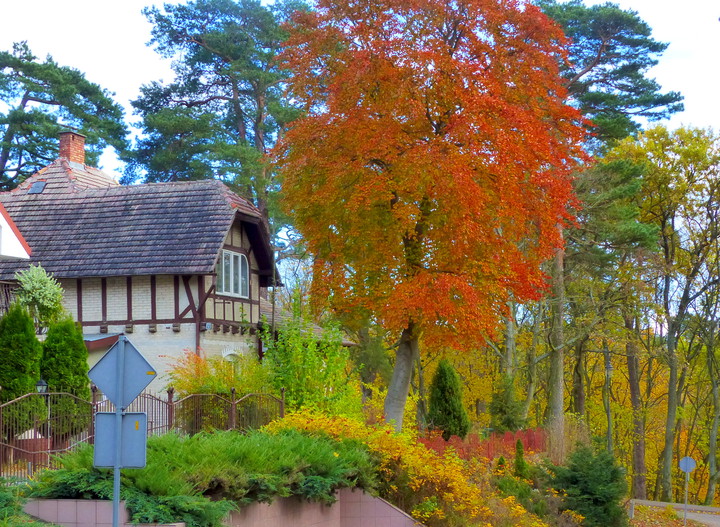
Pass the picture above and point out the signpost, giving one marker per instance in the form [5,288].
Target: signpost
[687,465]
[121,374]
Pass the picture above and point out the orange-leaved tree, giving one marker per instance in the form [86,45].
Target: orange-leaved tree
[431,169]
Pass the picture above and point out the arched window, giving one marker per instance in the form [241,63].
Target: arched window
[233,274]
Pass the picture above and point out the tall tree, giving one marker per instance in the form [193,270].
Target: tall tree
[611,51]
[223,110]
[431,170]
[39,99]
[680,195]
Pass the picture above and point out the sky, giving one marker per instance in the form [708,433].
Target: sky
[107,41]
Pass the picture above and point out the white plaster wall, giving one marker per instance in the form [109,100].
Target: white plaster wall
[10,245]
[140,297]
[116,298]
[91,305]
[70,297]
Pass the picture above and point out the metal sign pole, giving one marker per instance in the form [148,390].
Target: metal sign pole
[687,482]
[118,434]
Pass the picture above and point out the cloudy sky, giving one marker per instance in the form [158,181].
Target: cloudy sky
[106,39]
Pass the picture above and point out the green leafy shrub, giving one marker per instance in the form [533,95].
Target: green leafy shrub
[446,412]
[40,294]
[593,485]
[313,367]
[197,479]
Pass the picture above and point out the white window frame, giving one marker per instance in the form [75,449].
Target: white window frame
[233,274]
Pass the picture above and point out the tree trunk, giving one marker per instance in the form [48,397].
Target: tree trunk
[408,349]
[578,387]
[510,356]
[557,353]
[532,363]
[639,470]
[712,446]
[422,400]
[672,398]
[606,399]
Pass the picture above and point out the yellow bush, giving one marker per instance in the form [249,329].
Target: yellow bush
[435,489]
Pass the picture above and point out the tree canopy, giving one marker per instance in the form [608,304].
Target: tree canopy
[432,169]
[223,110]
[39,99]
[611,51]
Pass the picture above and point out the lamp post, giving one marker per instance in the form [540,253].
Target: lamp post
[42,387]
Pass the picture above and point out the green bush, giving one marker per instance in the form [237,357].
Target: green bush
[11,511]
[446,411]
[314,368]
[40,294]
[505,409]
[198,479]
[521,467]
[20,353]
[593,485]
[64,367]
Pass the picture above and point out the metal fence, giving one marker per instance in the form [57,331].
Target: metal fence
[36,427]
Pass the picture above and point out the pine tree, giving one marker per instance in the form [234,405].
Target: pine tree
[447,412]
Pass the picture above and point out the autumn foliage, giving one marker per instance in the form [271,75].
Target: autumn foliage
[430,172]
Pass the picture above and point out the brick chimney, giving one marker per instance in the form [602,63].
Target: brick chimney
[72,147]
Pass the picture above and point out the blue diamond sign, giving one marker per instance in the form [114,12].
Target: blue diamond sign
[122,373]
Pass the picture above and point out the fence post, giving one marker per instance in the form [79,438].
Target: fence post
[93,411]
[171,408]
[233,410]
[282,402]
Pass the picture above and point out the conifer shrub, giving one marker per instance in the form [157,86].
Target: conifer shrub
[64,367]
[20,354]
[593,485]
[446,412]
[198,479]
[505,409]
[64,364]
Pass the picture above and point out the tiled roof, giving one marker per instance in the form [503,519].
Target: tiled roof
[83,224]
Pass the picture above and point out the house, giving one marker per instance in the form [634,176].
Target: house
[174,266]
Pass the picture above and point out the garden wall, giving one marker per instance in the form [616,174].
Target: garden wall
[354,508]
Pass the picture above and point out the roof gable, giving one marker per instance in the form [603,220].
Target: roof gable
[12,243]
[83,224]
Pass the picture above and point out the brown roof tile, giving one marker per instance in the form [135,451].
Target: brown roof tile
[83,224]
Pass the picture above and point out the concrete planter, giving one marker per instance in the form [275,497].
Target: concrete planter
[354,508]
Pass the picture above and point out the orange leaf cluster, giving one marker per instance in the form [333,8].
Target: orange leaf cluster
[432,167]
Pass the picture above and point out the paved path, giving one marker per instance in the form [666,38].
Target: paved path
[699,513]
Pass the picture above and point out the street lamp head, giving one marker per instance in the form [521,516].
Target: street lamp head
[41,386]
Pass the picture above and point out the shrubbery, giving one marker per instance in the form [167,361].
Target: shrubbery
[199,479]
[593,485]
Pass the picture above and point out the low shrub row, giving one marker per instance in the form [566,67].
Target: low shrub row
[198,479]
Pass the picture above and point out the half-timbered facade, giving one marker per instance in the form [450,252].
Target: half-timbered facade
[175,266]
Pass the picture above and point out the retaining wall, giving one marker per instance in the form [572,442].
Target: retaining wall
[354,508]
